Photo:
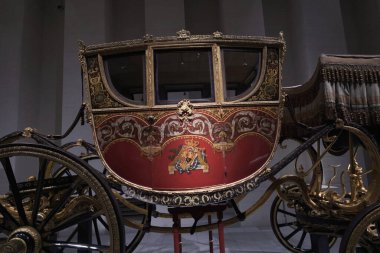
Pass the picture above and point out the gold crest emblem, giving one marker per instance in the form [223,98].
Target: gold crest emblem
[189,157]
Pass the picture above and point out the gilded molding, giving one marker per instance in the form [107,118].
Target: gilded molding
[149,77]
[100,97]
[192,198]
[81,54]
[269,89]
[217,73]
[183,37]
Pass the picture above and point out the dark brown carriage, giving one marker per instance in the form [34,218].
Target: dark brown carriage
[193,123]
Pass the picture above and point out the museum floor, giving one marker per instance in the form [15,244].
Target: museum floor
[237,240]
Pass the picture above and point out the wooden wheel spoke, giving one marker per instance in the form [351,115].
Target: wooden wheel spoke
[292,233]
[40,182]
[300,243]
[14,189]
[103,223]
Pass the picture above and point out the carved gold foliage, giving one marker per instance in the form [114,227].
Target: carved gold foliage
[270,86]
[100,98]
[78,204]
[221,113]
[98,119]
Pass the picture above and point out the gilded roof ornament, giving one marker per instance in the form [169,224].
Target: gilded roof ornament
[217,35]
[183,34]
[148,37]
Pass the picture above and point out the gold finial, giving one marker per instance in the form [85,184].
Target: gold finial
[28,132]
[183,34]
[217,35]
[281,35]
[148,37]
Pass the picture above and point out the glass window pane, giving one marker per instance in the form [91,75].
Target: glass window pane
[241,71]
[127,75]
[183,74]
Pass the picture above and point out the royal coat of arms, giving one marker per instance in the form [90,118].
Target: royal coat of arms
[189,157]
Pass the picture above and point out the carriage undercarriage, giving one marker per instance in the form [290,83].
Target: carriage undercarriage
[66,205]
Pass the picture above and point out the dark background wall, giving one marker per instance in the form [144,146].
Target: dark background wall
[40,81]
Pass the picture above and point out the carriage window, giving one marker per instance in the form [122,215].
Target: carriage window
[183,74]
[241,71]
[127,76]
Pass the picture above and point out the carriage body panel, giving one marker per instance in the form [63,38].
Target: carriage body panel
[171,154]
[201,149]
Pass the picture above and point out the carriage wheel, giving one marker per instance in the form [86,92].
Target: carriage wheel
[363,233]
[288,230]
[285,226]
[74,211]
[87,152]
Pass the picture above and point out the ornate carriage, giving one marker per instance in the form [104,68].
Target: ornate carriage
[193,123]
[183,109]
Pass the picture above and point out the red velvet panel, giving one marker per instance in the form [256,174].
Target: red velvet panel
[249,154]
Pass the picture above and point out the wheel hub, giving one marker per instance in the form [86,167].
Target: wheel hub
[22,240]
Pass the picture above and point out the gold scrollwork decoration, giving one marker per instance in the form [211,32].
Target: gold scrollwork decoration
[269,90]
[99,95]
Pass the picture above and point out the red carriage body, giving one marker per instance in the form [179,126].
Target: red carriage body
[185,120]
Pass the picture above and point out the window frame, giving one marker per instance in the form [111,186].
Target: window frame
[201,101]
[256,80]
[111,87]
[217,74]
